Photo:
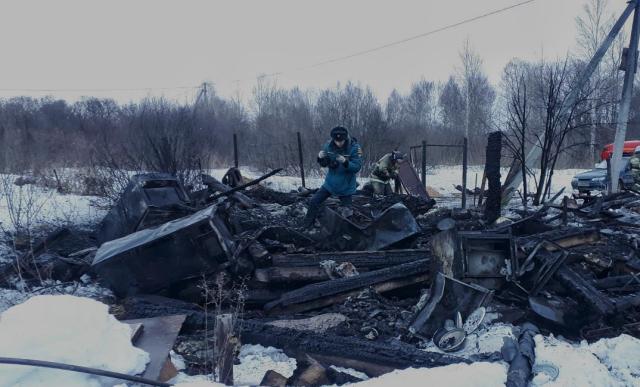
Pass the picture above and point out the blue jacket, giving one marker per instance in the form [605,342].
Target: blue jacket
[341,178]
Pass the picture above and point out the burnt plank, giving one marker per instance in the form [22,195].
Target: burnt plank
[360,259]
[347,351]
[626,302]
[291,274]
[617,281]
[342,285]
[564,237]
[584,290]
[341,297]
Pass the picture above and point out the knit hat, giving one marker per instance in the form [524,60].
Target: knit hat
[339,133]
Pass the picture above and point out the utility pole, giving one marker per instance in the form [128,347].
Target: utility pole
[631,65]
[467,117]
[203,94]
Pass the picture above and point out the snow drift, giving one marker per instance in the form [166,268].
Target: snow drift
[66,329]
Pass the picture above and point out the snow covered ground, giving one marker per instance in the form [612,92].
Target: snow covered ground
[442,178]
[43,206]
[80,331]
[608,362]
[559,363]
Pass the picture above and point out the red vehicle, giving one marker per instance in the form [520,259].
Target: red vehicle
[629,148]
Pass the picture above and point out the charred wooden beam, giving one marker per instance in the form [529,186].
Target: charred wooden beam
[584,291]
[381,287]
[492,171]
[565,238]
[243,186]
[372,357]
[259,296]
[618,281]
[225,343]
[626,302]
[291,274]
[326,293]
[214,185]
[360,259]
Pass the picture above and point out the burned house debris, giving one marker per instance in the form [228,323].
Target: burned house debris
[369,289]
[149,200]
[152,259]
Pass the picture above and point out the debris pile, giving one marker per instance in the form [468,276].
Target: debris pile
[367,288]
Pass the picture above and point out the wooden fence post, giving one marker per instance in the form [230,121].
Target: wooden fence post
[235,150]
[301,160]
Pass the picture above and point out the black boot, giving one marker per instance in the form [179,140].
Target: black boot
[310,218]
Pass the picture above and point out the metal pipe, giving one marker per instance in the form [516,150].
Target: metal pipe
[80,369]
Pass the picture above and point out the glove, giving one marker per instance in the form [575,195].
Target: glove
[322,154]
[341,159]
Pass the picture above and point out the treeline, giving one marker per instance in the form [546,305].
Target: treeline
[163,135]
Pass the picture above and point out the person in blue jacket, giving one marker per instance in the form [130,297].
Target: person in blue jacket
[342,156]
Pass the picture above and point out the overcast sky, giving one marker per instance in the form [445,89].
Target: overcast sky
[82,44]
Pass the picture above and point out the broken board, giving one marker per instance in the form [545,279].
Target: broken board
[157,338]
[322,294]
[410,180]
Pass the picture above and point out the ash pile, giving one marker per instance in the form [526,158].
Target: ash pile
[368,288]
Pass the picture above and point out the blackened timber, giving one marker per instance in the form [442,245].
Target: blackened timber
[564,237]
[584,290]
[225,344]
[291,274]
[626,302]
[360,259]
[371,357]
[214,185]
[492,170]
[380,287]
[618,281]
[243,186]
[404,275]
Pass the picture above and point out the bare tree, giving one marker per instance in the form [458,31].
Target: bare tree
[553,83]
[517,115]
[478,95]
[452,106]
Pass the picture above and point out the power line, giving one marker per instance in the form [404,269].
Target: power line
[318,64]
[401,41]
